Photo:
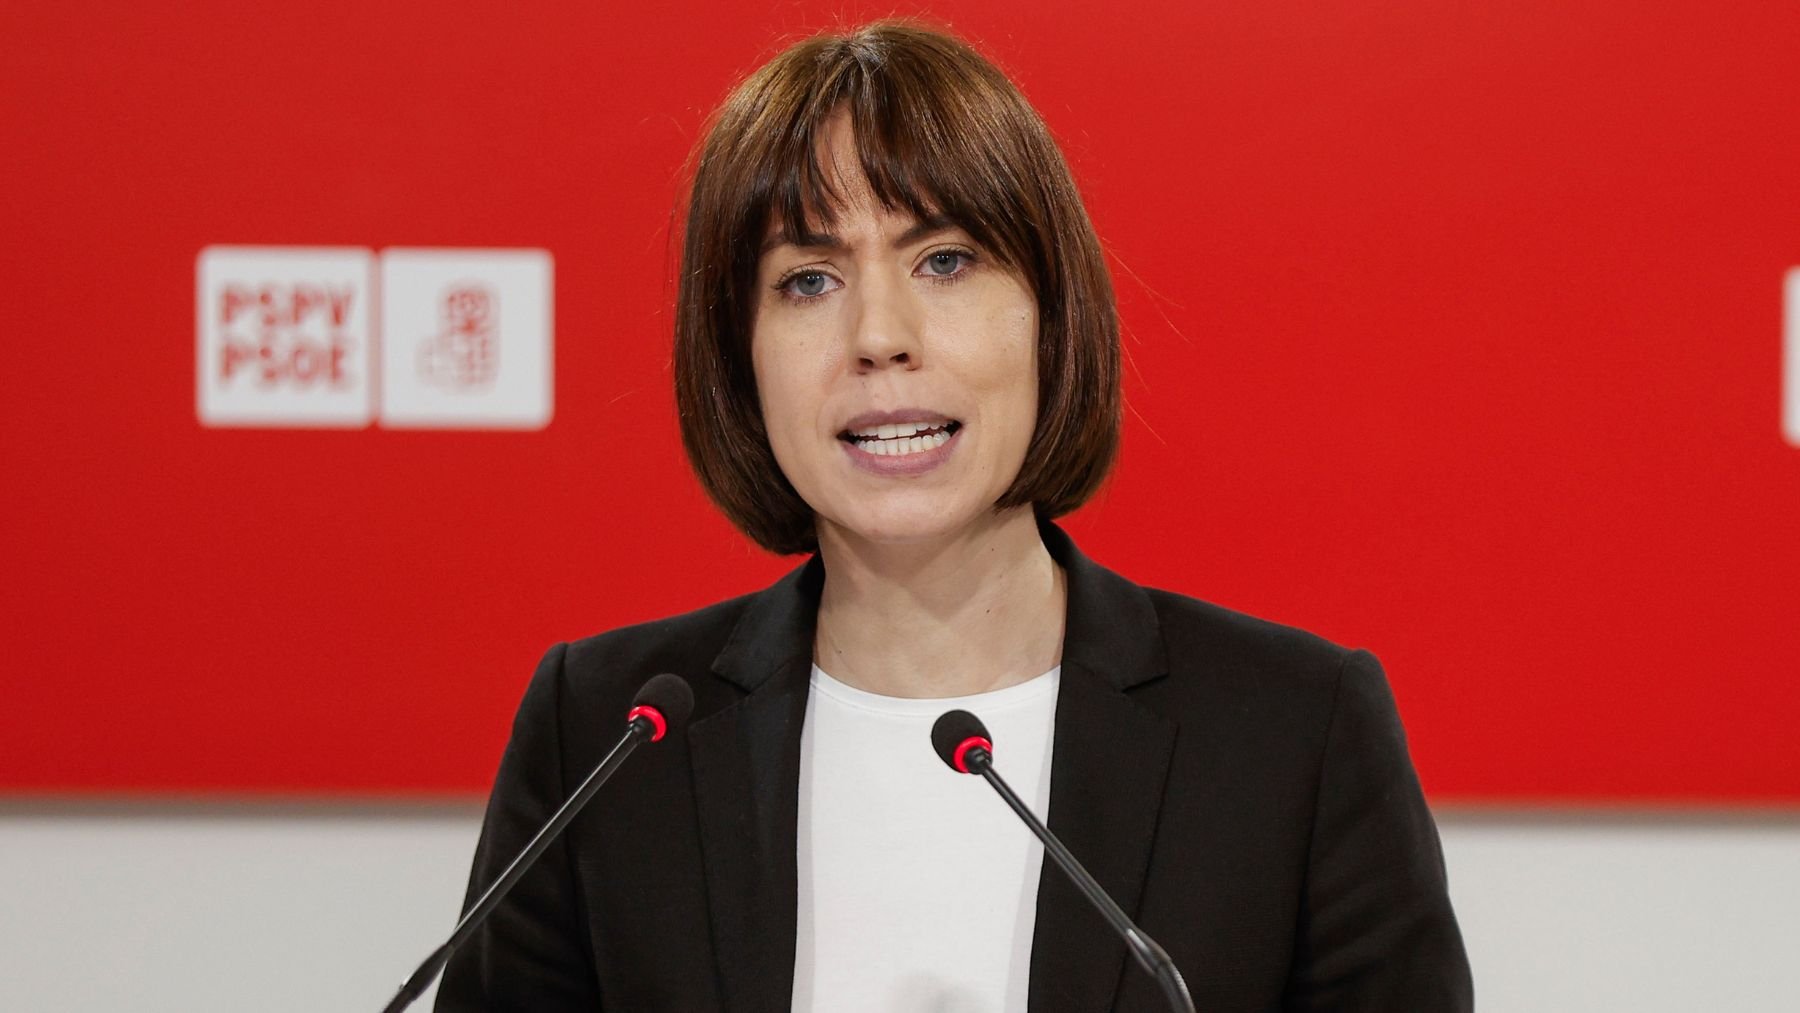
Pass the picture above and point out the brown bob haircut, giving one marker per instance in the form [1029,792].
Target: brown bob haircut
[938,131]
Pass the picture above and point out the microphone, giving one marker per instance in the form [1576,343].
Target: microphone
[661,704]
[963,743]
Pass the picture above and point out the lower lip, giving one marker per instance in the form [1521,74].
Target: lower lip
[902,464]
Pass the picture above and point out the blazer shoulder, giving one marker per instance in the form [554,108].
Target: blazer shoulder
[684,644]
[1237,646]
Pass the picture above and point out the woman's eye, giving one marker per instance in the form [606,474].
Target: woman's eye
[808,284]
[945,263]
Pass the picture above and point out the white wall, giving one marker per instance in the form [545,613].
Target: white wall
[196,909]
[1628,912]
[301,908]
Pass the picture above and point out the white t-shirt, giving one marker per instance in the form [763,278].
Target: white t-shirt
[917,885]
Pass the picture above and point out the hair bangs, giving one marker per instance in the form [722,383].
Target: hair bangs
[937,159]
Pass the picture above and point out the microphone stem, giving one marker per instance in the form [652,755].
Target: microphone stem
[1150,956]
[636,733]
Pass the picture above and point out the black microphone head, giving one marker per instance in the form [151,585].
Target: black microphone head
[666,700]
[954,734]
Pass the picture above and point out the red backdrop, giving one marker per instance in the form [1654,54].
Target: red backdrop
[1452,332]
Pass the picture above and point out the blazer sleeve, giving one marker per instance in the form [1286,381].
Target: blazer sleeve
[1376,929]
[532,953]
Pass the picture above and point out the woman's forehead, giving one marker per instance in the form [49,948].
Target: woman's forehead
[834,180]
[859,225]
[865,185]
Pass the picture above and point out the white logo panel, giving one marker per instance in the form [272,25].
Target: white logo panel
[284,336]
[466,338]
[1790,401]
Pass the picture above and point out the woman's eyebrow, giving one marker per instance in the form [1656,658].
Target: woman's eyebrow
[831,241]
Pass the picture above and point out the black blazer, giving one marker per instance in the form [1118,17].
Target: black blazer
[1242,789]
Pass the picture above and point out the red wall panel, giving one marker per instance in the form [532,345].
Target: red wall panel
[1452,333]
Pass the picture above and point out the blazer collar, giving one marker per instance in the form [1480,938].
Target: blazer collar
[1111,628]
[776,627]
[1108,768]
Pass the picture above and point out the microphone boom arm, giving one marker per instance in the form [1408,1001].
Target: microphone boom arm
[640,730]
[1152,957]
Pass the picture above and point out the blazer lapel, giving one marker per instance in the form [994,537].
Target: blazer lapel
[1109,764]
[1107,774]
[746,763]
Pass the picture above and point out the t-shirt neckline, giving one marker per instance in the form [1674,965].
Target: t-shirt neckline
[1006,698]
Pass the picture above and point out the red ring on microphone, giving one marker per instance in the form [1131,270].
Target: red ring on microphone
[653,715]
[962,750]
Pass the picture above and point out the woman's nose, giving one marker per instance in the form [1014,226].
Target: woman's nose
[886,329]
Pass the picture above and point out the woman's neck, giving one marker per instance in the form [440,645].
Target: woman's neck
[979,611]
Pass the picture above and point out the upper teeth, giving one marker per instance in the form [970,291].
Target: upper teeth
[901,447]
[896,431]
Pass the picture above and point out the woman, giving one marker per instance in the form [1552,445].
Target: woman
[896,348]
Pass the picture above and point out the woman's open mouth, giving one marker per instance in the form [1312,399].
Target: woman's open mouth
[901,438]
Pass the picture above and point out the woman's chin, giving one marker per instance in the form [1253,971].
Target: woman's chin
[918,525]
[898,531]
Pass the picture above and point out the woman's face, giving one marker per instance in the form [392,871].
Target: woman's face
[896,362]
